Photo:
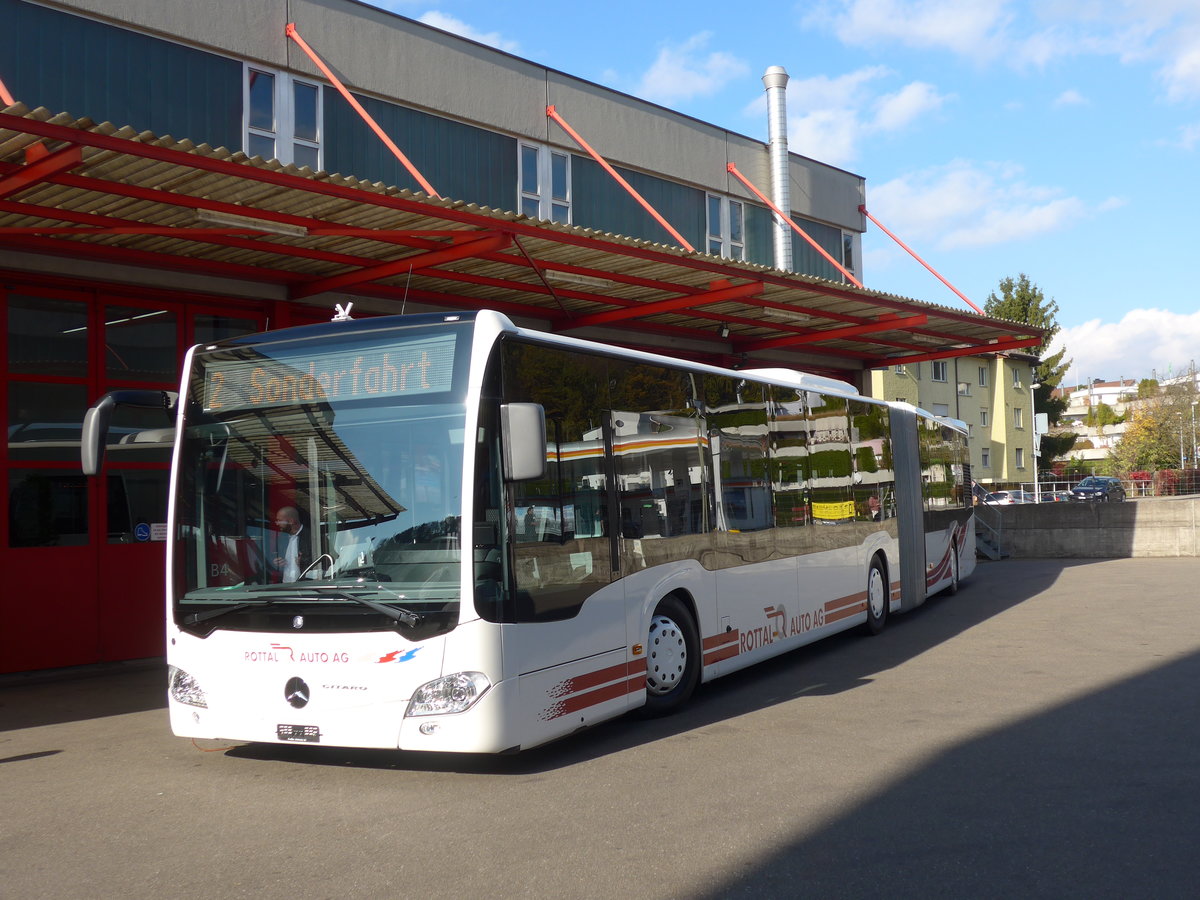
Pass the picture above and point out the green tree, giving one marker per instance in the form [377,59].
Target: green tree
[1157,432]
[1020,300]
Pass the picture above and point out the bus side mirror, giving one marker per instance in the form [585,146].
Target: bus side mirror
[96,421]
[523,433]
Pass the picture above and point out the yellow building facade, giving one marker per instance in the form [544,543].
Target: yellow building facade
[992,394]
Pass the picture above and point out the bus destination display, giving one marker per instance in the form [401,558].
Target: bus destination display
[397,369]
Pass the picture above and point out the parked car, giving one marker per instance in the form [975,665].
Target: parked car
[1056,496]
[1008,498]
[1098,488]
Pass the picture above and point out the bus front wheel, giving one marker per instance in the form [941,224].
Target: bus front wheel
[672,657]
[877,597]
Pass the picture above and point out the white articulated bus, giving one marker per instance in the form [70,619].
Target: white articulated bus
[445,532]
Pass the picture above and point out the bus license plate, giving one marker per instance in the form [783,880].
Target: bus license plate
[308,734]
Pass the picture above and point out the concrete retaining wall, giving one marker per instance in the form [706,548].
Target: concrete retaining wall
[1160,526]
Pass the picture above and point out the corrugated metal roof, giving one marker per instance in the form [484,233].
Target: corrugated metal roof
[72,187]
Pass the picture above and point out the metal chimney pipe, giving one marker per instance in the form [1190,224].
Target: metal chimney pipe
[775,82]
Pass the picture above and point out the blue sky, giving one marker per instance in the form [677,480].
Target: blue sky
[1057,138]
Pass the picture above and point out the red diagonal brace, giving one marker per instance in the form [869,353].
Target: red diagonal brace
[290,31]
[46,167]
[733,170]
[719,295]
[889,322]
[414,263]
[552,113]
[913,254]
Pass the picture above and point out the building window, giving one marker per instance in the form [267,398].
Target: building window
[901,370]
[545,183]
[939,370]
[1018,417]
[1016,378]
[1020,457]
[726,228]
[983,376]
[983,418]
[970,432]
[282,118]
[941,409]
[848,251]
[985,457]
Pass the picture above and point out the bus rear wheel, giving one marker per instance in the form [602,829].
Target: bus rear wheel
[877,597]
[672,657]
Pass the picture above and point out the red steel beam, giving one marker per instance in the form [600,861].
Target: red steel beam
[552,113]
[1000,345]
[690,301]
[415,263]
[883,323]
[35,172]
[290,31]
[913,254]
[459,215]
[733,170]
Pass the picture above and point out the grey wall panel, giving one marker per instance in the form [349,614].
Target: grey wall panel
[392,57]
[461,162]
[244,28]
[72,64]
[639,135]
[599,202]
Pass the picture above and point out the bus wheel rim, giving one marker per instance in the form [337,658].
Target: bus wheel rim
[875,593]
[666,656]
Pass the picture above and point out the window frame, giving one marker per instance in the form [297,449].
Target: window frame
[722,233]
[945,370]
[283,110]
[543,192]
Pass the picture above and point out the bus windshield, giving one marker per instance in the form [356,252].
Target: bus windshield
[324,489]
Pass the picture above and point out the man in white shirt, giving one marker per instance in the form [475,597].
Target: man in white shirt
[287,521]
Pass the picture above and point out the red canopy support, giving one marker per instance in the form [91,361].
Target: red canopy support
[733,170]
[415,263]
[719,294]
[889,322]
[912,253]
[291,32]
[552,113]
[45,168]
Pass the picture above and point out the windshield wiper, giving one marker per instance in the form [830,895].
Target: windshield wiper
[395,613]
[197,618]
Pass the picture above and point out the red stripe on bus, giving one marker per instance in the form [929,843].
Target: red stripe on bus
[717,640]
[601,676]
[845,612]
[715,656]
[576,702]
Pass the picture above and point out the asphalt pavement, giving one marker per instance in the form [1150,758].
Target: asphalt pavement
[1034,736]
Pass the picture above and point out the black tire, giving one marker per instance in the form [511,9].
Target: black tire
[672,657]
[879,596]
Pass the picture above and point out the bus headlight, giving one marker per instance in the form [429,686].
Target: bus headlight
[450,694]
[183,688]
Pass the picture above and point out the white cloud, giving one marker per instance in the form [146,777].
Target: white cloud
[829,117]
[963,204]
[1164,34]
[968,29]
[683,71]
[462,29]
[1142,342]
[1071,97]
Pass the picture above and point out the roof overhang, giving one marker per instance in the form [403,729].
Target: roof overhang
[69,187]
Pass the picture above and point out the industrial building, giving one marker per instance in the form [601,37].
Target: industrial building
[173,174]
